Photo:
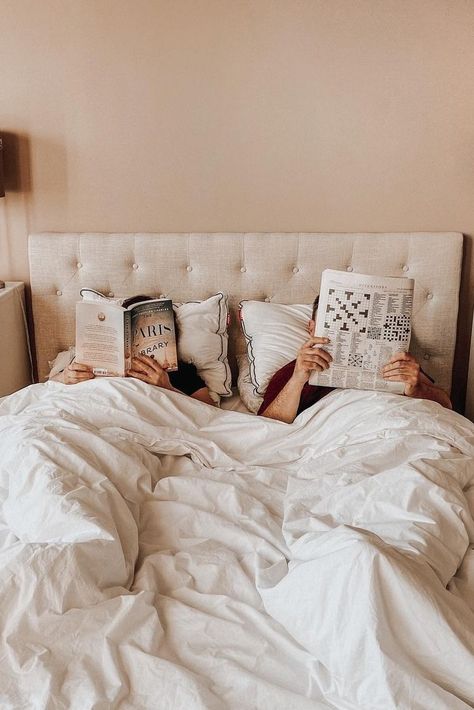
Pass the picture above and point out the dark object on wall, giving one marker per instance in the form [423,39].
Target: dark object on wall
[16,161]
[2,184]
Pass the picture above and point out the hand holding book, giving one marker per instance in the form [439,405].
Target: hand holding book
[74,373]
[149,370]
[110,333]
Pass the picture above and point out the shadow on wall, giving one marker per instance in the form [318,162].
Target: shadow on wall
[463,340]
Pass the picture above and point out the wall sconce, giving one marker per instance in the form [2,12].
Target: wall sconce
[2,190]
[2,182]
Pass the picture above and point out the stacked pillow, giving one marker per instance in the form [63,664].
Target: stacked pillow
[202,340]
[273,332]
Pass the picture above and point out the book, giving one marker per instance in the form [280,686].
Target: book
[367,319]
[109,333]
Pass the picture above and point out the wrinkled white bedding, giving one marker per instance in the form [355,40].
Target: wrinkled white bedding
[145,539]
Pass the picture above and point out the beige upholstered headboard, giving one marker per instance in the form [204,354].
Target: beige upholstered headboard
[284,268]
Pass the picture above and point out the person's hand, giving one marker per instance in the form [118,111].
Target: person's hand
[311,359]
[148,370]
[403,367]
[75,372]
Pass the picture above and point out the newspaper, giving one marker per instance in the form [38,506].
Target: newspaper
[367,319]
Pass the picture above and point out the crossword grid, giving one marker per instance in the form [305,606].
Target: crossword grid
[349,310]
[355,360]
[396,328]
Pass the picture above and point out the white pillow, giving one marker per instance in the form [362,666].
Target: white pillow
[61,361]
[274,333]
[246,389]
[202,340]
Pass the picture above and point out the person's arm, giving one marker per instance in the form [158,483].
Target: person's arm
[403,367]
[309,359]
[149,370]
[285,405]
[74,373]
[203,395]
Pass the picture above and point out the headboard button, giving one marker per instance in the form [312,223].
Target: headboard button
[350,268]
[59,293]
[429,295]
[243,269]
[295,269]
[189,268]
[267,300]
[404,267]
[111,295]
[426,356]
[135,266]
[79,265]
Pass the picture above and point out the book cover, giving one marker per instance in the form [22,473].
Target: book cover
[109,335]
[153,332]
[100,337]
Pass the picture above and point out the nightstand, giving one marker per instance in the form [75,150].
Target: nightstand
[15,370]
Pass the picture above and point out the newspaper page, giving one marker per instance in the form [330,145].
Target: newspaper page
[367,319]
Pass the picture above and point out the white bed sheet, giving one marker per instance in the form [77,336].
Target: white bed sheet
[234,403]
[156,552]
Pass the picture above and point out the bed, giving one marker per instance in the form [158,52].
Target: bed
[158,552]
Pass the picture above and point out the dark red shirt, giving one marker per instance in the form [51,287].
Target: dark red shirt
[309,394]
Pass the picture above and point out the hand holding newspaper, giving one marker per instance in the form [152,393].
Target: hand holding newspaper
[367,319]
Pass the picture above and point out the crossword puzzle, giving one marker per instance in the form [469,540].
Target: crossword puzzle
[348,307]
[355,360]
[396,328]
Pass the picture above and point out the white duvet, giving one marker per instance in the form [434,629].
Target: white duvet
[156,552]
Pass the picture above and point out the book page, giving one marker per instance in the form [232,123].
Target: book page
[368,319]
[99,338]
[153,332]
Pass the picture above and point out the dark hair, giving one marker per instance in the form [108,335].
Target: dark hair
[315,308]
[135,299]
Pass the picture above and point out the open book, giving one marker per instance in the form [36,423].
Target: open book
[109,334]
[368,319]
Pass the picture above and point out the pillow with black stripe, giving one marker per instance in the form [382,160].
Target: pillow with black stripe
[274,333]
[203,340]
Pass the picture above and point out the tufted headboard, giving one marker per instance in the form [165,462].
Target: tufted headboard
[281,267]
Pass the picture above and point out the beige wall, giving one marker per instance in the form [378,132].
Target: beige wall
[214,115]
